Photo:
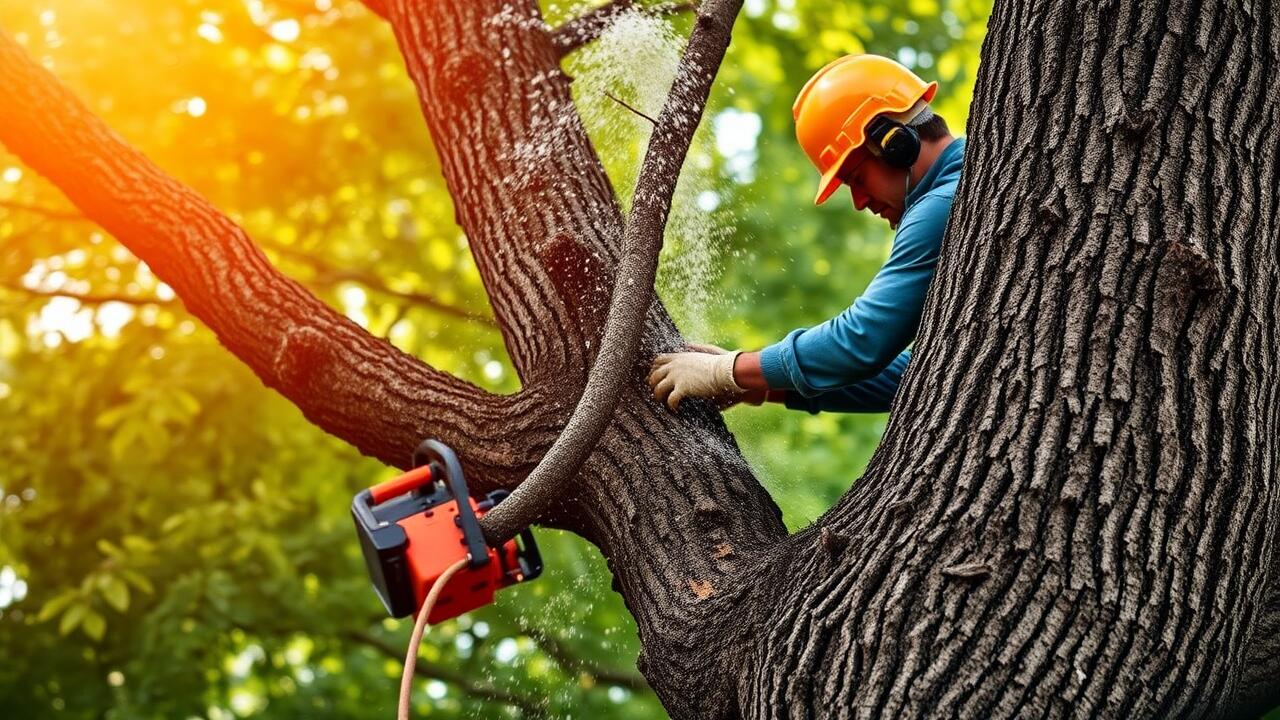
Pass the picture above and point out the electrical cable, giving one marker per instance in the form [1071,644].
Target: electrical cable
[411,659]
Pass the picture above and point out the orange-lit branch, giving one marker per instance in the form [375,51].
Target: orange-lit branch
[346,381]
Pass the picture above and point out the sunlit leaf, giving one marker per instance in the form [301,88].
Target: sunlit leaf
[116,593]
[71,618]
[56,604]
[138,580]
[94,625]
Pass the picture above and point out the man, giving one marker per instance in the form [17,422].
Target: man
[864,121]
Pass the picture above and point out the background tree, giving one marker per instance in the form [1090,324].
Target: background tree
[269,591]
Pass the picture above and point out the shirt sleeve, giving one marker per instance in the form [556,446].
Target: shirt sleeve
[864,339]
[873,395]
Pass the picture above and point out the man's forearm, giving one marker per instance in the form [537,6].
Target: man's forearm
[747,372]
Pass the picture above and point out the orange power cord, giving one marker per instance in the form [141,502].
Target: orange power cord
[411,660]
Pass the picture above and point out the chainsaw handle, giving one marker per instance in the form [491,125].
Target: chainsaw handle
[400,484]
[432,451]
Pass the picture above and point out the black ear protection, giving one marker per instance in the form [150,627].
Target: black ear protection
[894,143]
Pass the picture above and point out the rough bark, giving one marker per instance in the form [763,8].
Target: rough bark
[638,267]
[668,499]
[1259,688]
[1074,509]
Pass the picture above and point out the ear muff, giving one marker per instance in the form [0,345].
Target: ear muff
[894,143]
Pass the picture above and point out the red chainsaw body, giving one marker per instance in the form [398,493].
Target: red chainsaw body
[412,529]
[435,543]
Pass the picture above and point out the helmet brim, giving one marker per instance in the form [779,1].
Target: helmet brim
[829,183]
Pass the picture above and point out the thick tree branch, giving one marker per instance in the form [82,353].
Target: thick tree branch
[633,290]
[346,381]
[588,26]
[514,153]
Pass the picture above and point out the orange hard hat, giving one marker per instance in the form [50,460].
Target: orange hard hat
[835,106]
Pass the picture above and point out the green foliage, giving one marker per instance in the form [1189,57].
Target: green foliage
[174,538]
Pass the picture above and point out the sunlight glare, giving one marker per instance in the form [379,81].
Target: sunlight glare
[278,58]
[353,302]
[112,317]
[209,32]
[285,30]
[64,316]
[493,370]
[257,13]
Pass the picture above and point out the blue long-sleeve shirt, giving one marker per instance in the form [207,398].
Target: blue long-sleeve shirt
[854,361]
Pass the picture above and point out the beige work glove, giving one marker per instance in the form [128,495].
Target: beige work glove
[707,372]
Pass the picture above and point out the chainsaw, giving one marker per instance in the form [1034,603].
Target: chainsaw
[415,526]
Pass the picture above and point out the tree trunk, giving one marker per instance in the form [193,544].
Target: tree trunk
[1074,508]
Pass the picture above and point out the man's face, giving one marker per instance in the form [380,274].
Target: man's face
[874,185]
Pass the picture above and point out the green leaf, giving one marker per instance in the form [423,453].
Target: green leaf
[94,625]
[124,438]
[115,592]
[56,604]
[138,544]
[139,581]
[71,618]
[110,550]
[172,522]
[186,401]
[112,416]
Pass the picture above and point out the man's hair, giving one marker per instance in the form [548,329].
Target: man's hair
[929,125]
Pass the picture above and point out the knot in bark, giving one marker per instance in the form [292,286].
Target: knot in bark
[1184,275]
[1131,125]
[581,280]
[833,542]
[301,357]
[1187,267]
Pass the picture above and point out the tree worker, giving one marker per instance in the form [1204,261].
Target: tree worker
[865,121]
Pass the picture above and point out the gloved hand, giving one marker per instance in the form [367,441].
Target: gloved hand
[707,372]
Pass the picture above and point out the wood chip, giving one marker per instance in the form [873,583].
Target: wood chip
[968,571]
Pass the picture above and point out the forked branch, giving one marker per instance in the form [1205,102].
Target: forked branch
[633,291]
